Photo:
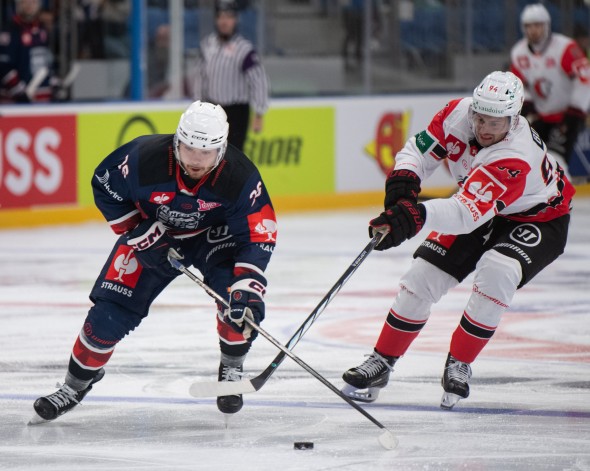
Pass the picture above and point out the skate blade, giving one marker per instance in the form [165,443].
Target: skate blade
[361,395]
[449,400]
[37,420]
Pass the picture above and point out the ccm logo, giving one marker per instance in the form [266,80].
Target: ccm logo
[145,241]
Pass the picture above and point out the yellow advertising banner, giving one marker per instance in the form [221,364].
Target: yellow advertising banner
[99,134]
[295,153]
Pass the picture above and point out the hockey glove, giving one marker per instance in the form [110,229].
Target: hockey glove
[401,222]
[151,243]
[246,299]
[401,184]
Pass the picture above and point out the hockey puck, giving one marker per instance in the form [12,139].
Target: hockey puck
[303,445]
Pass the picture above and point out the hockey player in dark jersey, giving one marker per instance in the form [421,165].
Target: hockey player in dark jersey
[26,61]
[192,195]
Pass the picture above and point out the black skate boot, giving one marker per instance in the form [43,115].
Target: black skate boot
[454,382]
[229,404]
[63,400]
[371,375]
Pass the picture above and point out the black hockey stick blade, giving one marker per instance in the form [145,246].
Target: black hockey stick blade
[213,389]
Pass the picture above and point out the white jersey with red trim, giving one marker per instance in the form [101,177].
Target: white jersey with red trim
[516,178]
[554,78]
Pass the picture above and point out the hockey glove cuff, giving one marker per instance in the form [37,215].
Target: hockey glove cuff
[401,222]
[246,299]
[151,243]
[401,184]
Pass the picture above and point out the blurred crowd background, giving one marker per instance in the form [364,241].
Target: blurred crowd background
[309,47]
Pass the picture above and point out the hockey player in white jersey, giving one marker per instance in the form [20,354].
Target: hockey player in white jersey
[556,76]
[507,221]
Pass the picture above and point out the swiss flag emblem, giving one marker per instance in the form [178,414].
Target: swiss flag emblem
[263,225]
[124,269]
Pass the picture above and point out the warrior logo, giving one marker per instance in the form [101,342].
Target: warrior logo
[526,234]
[124,268]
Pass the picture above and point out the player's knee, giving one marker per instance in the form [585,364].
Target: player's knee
[497,276]
[107,323]
[423,285]
[427,281]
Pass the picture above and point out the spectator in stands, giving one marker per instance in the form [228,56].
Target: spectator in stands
[230,73]
[90,29]
[26,60]
[556,76]
[158,62]
[353,20]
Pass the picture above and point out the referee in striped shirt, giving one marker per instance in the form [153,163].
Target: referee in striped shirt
[232,75]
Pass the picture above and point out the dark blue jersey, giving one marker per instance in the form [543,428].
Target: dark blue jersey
[143,180]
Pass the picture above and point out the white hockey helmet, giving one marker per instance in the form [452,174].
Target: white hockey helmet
[203,126]
[536,13]
[498,94]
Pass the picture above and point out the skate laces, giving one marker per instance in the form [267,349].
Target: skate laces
[373,365]
[63,396]
[458,370]
[231,373]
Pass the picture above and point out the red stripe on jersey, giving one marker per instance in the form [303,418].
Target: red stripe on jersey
[89,358]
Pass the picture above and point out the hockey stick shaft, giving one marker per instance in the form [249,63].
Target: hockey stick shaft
[202,389]
[36,80]
[387,439]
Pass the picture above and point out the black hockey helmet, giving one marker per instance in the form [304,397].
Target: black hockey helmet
[230,6]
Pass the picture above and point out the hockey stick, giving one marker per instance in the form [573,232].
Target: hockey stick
[213,389]
[387,439]
[35,81]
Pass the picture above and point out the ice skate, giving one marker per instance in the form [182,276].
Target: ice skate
[364,382]
[229,404]
[454,382]
[48,408]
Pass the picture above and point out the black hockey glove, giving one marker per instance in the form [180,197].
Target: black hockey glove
[151,243]
[401,222]
[401,184]
[246,299]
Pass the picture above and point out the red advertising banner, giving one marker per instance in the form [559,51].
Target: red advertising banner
[37,161]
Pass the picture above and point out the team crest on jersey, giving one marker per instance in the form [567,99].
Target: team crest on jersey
[455,147]
[480,192]
[162,197]
[263,225]
[124,268]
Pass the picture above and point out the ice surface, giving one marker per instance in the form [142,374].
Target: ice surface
[529,407]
